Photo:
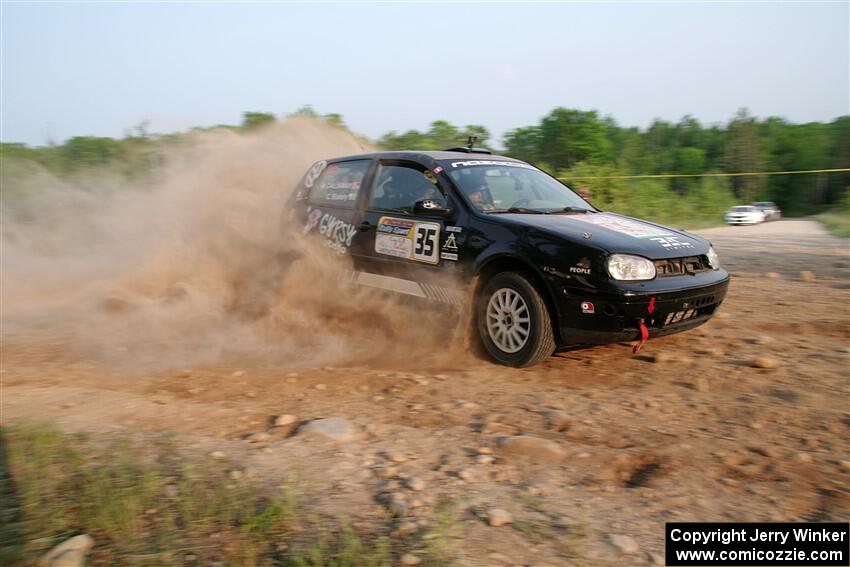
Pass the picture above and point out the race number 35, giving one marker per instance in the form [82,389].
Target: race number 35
[425,243]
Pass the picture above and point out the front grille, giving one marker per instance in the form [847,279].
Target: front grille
[681,266]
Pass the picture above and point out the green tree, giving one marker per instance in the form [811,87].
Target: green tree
[571,136]
[744,154]
[524,143]
[256,119]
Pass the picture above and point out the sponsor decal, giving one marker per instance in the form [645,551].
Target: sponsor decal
[341,191]
[587,307]
[314,173]
[413,240]
[672,242]
[438,169]
[471,163]
[677,316]
[313,217]
[454,229]
[451,243]
[337,232]
[623,226]
[448,256]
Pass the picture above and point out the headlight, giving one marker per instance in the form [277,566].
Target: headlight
[713,258]
[625,267]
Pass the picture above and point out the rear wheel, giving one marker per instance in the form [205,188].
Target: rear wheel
[513,321]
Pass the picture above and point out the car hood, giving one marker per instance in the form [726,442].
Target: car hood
[616,233]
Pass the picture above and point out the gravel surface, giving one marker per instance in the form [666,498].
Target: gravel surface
[743,419]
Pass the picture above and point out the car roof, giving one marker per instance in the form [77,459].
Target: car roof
[443,155]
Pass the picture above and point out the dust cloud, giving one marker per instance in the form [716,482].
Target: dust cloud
[197,266]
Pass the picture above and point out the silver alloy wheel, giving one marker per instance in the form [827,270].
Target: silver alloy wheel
[508,320]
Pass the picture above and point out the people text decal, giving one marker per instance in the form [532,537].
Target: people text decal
[314,173]
[408,239]
[623,225]
[337,232]
[489,162]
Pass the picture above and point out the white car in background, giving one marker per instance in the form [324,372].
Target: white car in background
[770,209]
[745,214]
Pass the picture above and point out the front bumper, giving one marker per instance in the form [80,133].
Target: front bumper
[617,317]
[743,220]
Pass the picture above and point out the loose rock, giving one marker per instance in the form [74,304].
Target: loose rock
[410,559]
[336,429]
[283,420]
[467,475]
[807,276]
[559,421]
[625,544]
[385,472]
[259,437]
[416,484]
[69,553]
[497,517]
[532,447]
[802,457]
[764,362]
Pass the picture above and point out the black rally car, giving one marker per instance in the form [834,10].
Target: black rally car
[545,268]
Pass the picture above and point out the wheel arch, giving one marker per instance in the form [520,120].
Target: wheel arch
[510,263]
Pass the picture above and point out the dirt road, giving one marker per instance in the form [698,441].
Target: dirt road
[743,419]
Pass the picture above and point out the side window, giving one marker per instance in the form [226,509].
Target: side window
[338,185]
[398,187]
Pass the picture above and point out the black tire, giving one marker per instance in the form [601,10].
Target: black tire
[539,338]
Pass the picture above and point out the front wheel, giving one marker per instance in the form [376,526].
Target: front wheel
[513,321]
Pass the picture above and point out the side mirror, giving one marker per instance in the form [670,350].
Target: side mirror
[430,208]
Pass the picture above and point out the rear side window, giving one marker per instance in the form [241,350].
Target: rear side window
[399,187]
[338,185]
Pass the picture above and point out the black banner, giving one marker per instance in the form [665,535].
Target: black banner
[694,544]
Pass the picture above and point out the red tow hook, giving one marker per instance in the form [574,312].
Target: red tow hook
[644,336]
[644,332]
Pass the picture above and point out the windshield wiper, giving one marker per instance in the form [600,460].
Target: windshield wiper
[521,210]
[573,210]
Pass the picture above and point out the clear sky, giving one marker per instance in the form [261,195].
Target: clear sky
[100,68]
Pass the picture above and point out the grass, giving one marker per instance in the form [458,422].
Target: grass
[146,505]
[836,221]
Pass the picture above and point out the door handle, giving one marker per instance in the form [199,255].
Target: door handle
[364,226]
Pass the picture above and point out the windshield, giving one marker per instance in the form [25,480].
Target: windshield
[743,209]
[507,186]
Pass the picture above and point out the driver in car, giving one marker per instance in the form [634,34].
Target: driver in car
[479,196]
